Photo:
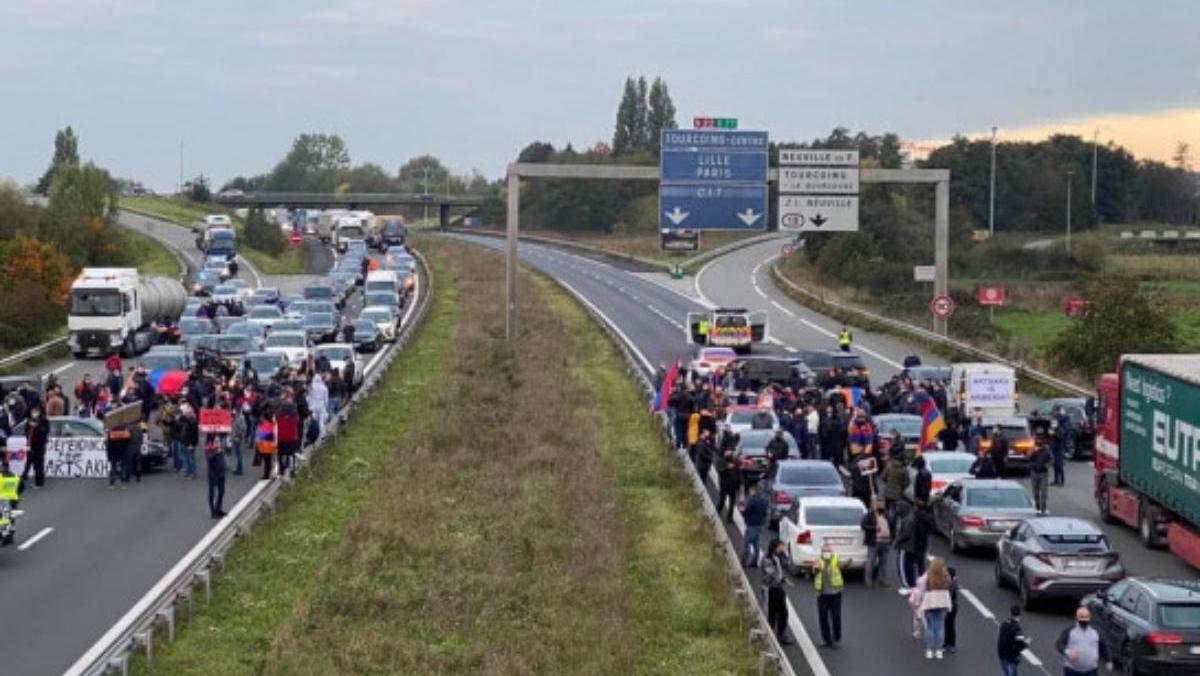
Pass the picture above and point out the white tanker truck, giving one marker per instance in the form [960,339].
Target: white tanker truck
[112,309]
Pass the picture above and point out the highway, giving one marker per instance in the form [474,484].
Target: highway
[86,553]
[650,313]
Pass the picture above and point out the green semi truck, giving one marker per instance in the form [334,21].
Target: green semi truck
[1147,454]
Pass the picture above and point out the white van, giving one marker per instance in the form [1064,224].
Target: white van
[987,388]
[382,280]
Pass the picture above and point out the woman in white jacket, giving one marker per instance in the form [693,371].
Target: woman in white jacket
[933,604]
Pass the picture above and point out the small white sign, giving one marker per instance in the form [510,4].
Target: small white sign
[990,389]
[76,458]
[820,158]
[818,213]
[820,180]
[924,273]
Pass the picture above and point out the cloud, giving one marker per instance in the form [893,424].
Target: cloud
[59,13]
[371,15]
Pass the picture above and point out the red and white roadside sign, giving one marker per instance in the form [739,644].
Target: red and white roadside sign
[787,250]
[1075,307]
[993,296]
[942,306]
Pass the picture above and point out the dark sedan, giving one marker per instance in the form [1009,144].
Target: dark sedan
[1083,430]
[1150,626]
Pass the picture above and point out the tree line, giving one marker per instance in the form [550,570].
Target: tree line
[42,248]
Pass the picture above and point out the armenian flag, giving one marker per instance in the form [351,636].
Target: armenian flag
[931,419]
[664,391]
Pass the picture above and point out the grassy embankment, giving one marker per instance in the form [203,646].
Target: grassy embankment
[489,512]
[185,212]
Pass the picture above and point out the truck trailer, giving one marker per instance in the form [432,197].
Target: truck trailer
[1147,456]
[112,310]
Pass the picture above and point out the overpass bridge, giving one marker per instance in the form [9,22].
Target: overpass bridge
[367,200]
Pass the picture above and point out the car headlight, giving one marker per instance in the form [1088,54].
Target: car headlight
[114,338]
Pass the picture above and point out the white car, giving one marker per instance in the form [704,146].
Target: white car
[225,293]
[265,315]
[813,522]
[709,359]
[339,354]
[292,344]
[946,468]
[385,320]
[243,287]
[741,418]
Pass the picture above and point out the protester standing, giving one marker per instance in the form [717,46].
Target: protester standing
[774,579]
[827,582]
[933,605]
[1011,642]
[1039,469]
[754,513]
[214,454]
[877,536]
[266,445]
[1081,647]
[37,430]
[729,475]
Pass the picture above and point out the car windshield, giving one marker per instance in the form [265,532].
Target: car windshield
[830,515]
[350,231]
[194,326]
[266,363]
[234,344]
[1013,432]
[1179,616]
[318,319]
[809,475]
[955,465]
[337,353]
[264,292]
[317,292]
[225,290]
[743,417]
[907,427]
[95,303]
[170,362]
[363,327]
[731,321]
[385,298]
[266,312]
[1074,543]
[998,498]
[285,340]
[377,316]
[245,329]
[322,306]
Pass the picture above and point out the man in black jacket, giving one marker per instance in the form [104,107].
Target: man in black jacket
[682,405]
[923,483]
[1039,471]
[730,478]
[1011,642]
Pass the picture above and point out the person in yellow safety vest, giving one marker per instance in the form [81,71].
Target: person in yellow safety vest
[844,339]
[702,329]
[9,492]
[827,581]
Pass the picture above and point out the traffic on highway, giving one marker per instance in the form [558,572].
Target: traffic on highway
[840,453]
[228,375]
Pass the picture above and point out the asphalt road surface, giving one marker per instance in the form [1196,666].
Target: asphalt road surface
[86,553]
[877,624]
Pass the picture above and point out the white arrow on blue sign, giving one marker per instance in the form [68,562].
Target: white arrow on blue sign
[712,207]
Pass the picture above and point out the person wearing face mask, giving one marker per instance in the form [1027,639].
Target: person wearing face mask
[38,432]
[1081,647]
[827,581]
[877,536]
[774,579]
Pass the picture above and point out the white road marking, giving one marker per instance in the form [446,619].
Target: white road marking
[668,318]
[783,309]
[34,540]
[974,600]
[62,368]
[758,290]
[789,348]
[612,325]
[253,271]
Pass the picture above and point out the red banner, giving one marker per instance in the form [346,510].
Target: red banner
[1075,307]
[216,420]
[991,295]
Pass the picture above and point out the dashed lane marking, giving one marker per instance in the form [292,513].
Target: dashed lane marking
[783,309]
[34,540]
[62,368]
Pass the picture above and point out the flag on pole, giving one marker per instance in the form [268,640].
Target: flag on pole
[931,419]
[664,390]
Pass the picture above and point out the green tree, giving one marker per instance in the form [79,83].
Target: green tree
[1121,318]
[625,136]
[641,115]
[538,151]
[66,154]
[81,216]
[662,113]
[368,177]
[423,174]
[312,164]
[200,191]
[262,234]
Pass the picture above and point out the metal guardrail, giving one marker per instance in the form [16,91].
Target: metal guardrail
[30,353]
[771,653]
[157,608]
[931,337]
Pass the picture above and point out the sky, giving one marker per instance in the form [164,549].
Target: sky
[473,82]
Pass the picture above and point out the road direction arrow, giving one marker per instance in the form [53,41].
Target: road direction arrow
[748,216]
[677,215]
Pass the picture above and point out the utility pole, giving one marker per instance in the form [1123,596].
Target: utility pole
[1095,135]
[1070,174]
[992,191]
[425,198]
[179,188]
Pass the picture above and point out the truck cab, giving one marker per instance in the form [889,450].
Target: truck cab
[345,230]
[218,241]
[111,310]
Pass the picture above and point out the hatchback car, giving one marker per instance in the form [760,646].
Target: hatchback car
[797,479]
[367,336]
[1016,432]
[1055,556]
[978,512]
[709,359]
[741,418]
[814,522]
[383,319]
[1150,626]
[752,452]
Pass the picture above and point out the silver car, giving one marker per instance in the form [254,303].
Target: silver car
[978,512]
[795,480]
[1058,557]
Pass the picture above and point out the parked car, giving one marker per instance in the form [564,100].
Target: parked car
[1056,556]
[740,418]
[709,359]
[978,512]
[928,374]
[832,368]
[1150,626]
[813,522]
[324,292]
[797,479]
[166,358]
[267,364]
[1083,429]
[339,355]
[320,326]
[1016,432]
[909,427]
[265,316]
[945,467]
[752,452]
[385,320]
[367,336]
[293,345]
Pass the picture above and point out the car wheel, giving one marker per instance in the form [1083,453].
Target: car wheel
[998,574]
[1146,531]
[1104,504]
[1028,601]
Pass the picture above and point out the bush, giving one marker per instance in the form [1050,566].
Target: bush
[31,311]
[1122,318]
[263,235]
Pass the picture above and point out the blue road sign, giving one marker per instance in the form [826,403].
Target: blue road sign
[713,180]
[712,207]
[714,165]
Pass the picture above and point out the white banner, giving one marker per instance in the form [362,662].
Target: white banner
[990,389]
[76,458]
[17,451]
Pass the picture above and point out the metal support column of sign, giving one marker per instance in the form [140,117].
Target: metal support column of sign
[510,257]
[941,245]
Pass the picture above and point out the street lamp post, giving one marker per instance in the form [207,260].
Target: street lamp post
[1070,174]
[992,190]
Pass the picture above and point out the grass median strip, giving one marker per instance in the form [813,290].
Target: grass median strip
[152,257]
[521,517]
